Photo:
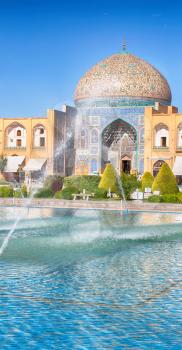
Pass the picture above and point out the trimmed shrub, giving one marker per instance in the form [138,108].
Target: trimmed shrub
[165,181]
[100,193]
[154,199]
[6,191]
[88,182]
[147,180]
[54,183]
[43,193]
[21,193]
[130,183]
[166,198]
[17,194]
[179,197]
[170,198]
[24,190]
[109,179]
[66,193]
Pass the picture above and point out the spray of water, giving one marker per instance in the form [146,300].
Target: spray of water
[9,235]
[27,204]
[15,224]
[121,189]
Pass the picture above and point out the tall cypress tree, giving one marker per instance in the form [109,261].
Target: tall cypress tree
[147,180]
[109,179]
[165,181]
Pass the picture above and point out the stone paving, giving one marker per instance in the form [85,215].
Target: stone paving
[84,204]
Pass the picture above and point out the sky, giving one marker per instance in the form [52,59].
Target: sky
[46,46]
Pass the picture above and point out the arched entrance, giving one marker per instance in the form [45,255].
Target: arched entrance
[156,167]
[119,141]
[125,164]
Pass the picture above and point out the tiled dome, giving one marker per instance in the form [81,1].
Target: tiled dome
[123,75]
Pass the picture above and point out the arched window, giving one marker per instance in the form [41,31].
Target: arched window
[94,166]
[156,167]
[179,135]
[161,135]
[39,136]
[125,144]
[83,138]
[15,136]
[94,136]
[18,132]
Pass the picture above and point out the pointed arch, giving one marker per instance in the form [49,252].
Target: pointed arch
[39,136]
[119,138]
[15,135]
[161,135]
[84,138]
[157,165]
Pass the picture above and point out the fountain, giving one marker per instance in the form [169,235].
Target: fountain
[28,201]
[121,189]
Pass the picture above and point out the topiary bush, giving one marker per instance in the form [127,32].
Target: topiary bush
[88,182]
[43,193]
[147,180]
[54,183]
[166,198]
[66,193]
[155,199]
[6,191]
[17,194]
[165,181]
[130,183]
[170,198]
[109,179]
[100,193]
[24,191]
[179,197]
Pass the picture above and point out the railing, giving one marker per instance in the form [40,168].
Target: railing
[160,148]
[16,147]
[39,147]
[179,148]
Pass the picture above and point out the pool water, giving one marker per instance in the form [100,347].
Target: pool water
[85,279]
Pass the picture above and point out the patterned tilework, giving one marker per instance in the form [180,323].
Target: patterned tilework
[123,75]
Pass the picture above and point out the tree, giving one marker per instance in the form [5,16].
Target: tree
[109,179]
[147,180]
[130,183]
[165,181]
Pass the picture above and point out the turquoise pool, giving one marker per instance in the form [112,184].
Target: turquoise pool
[85,279]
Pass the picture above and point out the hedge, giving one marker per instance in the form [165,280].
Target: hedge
[100,193]
[166,198]
[43,193]
[88,182]
[66,193]
[18,194]
[165,181]
[154,199]
[6,191]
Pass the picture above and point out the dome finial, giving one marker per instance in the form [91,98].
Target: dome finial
[124,44]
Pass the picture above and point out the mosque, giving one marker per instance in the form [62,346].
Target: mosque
[122,114]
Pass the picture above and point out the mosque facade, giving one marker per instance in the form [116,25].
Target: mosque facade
[122,115]
[110,100]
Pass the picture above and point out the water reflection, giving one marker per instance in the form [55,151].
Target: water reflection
[74,279]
